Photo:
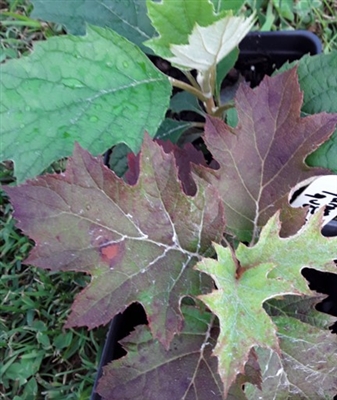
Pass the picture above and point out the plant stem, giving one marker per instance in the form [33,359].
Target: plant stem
[221,109]
[189,88]
[191,78]
[210,106]
[199,124]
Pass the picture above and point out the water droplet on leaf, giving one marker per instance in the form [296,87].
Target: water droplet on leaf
[72,83]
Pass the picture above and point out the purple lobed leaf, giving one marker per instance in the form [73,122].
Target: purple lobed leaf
[138,242]
[187,370]
[264,158]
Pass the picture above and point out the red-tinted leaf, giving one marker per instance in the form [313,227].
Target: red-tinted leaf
[188,370]
[264,159]
[138,242]
[149,372]
[184,157]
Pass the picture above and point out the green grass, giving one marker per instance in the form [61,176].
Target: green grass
[18,31]
[38,358]
[317,16]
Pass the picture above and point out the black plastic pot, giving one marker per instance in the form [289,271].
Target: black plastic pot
[261,53]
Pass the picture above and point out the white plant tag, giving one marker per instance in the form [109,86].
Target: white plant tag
[315,193]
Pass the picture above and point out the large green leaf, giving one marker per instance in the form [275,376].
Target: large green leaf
[126,17]
[98,90]
[318,80]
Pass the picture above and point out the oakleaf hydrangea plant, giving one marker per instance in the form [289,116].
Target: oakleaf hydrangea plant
[211,249]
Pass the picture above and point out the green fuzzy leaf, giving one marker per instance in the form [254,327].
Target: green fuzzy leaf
[98,90]
[246,279]
[318,80]
[175,20]
[126,17]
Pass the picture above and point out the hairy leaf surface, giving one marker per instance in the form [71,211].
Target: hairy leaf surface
[250,276]
[138,242]
[88,89]
[126,17]
[264,158]
[306,367]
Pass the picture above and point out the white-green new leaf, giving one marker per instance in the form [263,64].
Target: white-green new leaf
[209,45]
[98,90]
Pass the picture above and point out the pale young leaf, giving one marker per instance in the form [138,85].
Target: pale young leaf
[250,276]
[208,45]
